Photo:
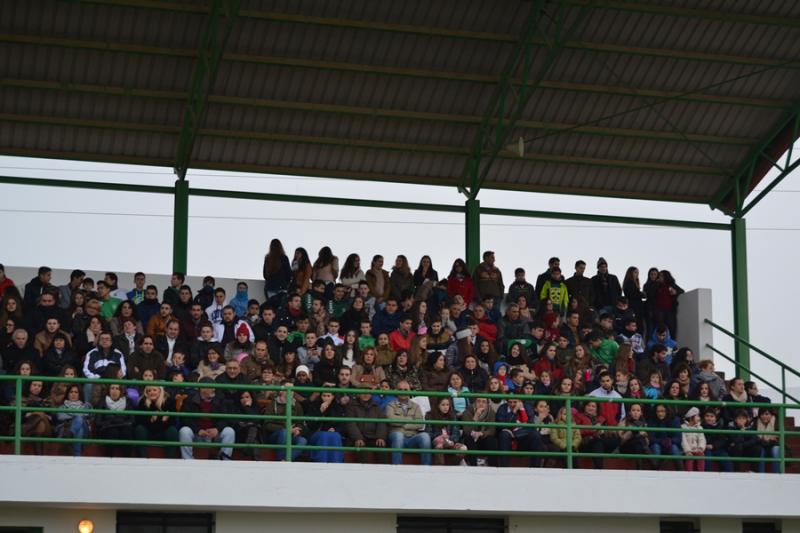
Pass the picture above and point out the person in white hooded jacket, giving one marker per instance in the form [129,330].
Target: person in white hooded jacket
[693,444]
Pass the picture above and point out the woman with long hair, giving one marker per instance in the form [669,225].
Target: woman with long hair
[301,271]
[460,282]
[73,425]
[352,274]
[366,374]
[277,271]
[402,370]
[632,290]
[326,267]
[401,280]
[156,426]
[444,436]
[665,309]
[125,311]
[378,279]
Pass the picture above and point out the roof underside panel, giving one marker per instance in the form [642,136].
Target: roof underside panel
[645,99]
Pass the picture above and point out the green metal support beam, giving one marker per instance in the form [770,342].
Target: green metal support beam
[515,88]
[606,219]
[774,183]
[760,159]
[472,227]
[180,226]
[88,185]
[221,19]
[741,324]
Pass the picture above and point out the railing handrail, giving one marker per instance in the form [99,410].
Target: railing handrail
[766,382]
[569,453]
[752,347]
[387,392]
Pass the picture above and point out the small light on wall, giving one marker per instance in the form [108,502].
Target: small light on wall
[85,526]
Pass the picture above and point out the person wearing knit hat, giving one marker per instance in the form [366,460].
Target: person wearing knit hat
[302,369]
[601,261]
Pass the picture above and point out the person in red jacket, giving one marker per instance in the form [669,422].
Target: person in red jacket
[460,282]
[548,362]
[487,329]
[400,339]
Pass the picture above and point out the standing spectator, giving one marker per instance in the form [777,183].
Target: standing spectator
[378,280]
[172,293]
[8,282]
[581,288]
[606,288]
[555,291]
[401,280]
[488,279]
[425,279]
[636,298]
[352,274]
[650,290]
[65,292]
[277,271]
[326,267]
[665,309]
[553,262]
[520,287]
[36,287]
[460,282]
[301,271]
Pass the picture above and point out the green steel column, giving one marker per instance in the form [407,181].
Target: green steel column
[741,325]
[473,233]
[180,226]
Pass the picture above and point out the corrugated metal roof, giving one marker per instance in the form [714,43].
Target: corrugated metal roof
[647,99]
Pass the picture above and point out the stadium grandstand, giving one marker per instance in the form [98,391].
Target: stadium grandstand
[386,393]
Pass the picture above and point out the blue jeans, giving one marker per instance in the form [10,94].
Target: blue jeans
[327,438]
[421,441]
[674,449]
[279,437]
[773,452]
[79,429]
[187,436]
[724,466]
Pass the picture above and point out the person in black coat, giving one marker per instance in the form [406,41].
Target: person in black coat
[605,286]
[206,429]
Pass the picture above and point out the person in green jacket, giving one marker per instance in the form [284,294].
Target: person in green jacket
[603,350]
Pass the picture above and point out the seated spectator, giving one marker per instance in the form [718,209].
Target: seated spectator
[35,423]
[404,434]
[473,375]
[148,307]
[745,443]
[146,357]
[477,437]
[265,327]
[736,394]
[328,367]
[125,311]
[512,328]
[232,376]
[326,432]
[214,311]
[127,341]
[634,437]
[332,334]
[527,439]
[156,427]
[338,305]
[599,440]
[212,364]
[444,436]
[693,444]
[455,386]
[19,350]
[97,360]
[674,392]
[402,370]
[205,429]
[383,350]
[770,449]
[253,365]
[435,374]
[246,430]
[548,362]
[158,323]
[366,374]
[226,331]
[365,433]
[603,350]
[657,362]
[58,356]
[73,425]
[348,351]
[44,338]
[275,430]
[654,386]
[611,412]
[240,301]
[400,339]
[716,444]
[629,335]
[560,438]
[241,344]
[116,423]
[661,336]
[707,375]
[387,319]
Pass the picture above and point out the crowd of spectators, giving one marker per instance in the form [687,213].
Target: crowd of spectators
[406,330]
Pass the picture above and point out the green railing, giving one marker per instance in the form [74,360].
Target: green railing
[569,455]
[784,367]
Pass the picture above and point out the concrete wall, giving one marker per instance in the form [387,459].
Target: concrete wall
[387,489]
[55,520]
[694,307]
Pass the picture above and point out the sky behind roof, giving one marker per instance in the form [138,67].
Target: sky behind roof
[106,230]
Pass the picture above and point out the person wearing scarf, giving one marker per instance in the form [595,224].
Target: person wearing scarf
[239,302]
[73,425]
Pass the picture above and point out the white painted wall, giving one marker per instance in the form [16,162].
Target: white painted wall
[694,307]
[55,520]
[308,487]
